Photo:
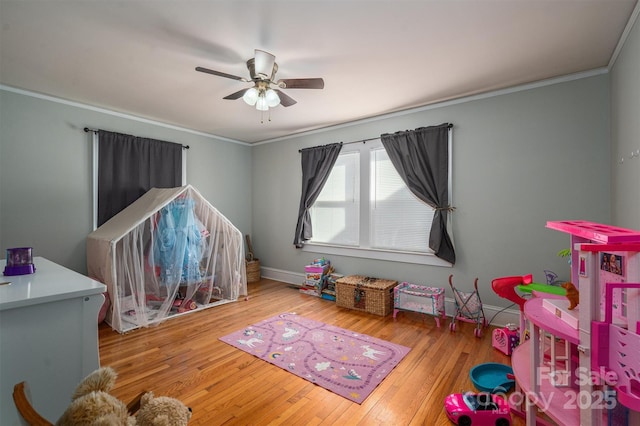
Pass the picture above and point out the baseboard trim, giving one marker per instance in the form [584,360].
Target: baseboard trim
[295,278]
[499,316]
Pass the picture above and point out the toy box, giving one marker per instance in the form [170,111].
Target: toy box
[506,339]
[314,274]
[367,294]
[316,269]
[314,277]
[313,287]
[328,296]
[419,298]
[329,286]
[311,291]
[333,278]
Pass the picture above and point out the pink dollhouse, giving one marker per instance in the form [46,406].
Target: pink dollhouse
[598,372]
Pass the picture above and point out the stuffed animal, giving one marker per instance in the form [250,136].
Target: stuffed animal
[92,405]
[572,294]
[162,411]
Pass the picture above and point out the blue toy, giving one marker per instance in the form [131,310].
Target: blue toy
[178,245]
[492,377]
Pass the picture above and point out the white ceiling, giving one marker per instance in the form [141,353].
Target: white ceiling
[376,57]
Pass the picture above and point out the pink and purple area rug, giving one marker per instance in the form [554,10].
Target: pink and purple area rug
[344,362]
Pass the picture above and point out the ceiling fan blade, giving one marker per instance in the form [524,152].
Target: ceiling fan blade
[236,95]
[264,62]
[221,74]
[301,83]
[285,100]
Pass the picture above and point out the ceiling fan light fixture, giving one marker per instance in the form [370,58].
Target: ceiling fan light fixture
[262,71]
[261,104]
[251,96]
[272,98]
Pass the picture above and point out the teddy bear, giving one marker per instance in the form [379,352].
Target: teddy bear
[572,294]
[93,405]
[162,411]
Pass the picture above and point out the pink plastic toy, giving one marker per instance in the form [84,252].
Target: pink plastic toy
[468,308]
[477,409]
[419,298]
[618,351]
[505,287]
[506,339]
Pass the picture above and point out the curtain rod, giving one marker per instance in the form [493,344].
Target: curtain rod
[86,129]
[449,126]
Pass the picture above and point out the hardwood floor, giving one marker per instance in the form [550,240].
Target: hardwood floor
[184,359]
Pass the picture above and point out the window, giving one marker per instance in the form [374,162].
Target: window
[399,221]
[335,214]
[366,210]
[126,166]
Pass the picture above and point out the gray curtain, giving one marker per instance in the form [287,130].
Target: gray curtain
[421,158]
[129,166]
[317,163]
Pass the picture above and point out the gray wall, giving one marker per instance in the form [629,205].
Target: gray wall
[625,133]
[46,174]
[519,160]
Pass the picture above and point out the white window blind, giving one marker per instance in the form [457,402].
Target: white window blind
[399,221]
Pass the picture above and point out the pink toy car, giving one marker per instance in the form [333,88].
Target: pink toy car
[482,409]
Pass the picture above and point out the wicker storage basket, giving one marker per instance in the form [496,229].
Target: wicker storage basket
[372,295]
[253,270]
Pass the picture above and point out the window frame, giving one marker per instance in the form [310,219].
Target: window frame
[373,253]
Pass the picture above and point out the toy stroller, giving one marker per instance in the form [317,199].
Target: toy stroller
[468,308]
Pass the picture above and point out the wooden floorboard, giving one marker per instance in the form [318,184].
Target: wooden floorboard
[184,359]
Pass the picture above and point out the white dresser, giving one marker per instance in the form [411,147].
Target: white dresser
[48,336]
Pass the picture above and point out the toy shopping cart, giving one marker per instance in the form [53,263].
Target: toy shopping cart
[468,308]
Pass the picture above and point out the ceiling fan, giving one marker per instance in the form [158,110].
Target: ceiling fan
[262,69]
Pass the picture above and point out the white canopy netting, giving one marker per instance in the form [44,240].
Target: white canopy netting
[170,252]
